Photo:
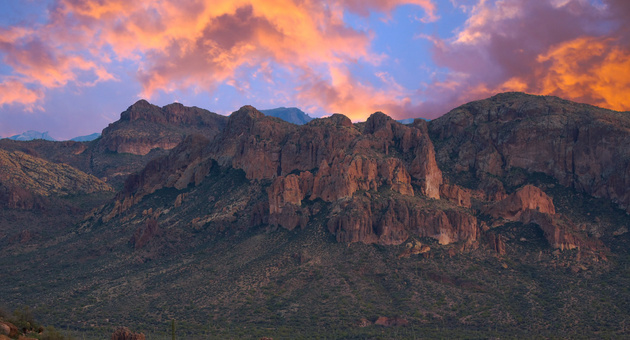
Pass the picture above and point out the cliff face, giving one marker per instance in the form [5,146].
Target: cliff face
[333,160]
[327,159]
[144,127]
[529,204]
[207,220]
[582,146]
[378,180]
[392,221]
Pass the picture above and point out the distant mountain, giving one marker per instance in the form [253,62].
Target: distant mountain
[87,138]
[31,135]
[289,114]
[410,120]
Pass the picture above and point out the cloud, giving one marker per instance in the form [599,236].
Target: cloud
[575,49]
[363,7]
[343,93]
[39,62]
[587,69]
[198,45]
[14,92]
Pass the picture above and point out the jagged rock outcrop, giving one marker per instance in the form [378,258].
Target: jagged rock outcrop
[144,127]
[251,142]
[496,243]
[529,204]
[525,199]
[376,177]
[187,165]
[329,159]
[391,222]
[348,159]
[458,195]
[582,146]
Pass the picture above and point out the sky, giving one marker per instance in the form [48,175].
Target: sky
[70,67]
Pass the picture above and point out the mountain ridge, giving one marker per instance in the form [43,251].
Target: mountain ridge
[267,228]
[31,135]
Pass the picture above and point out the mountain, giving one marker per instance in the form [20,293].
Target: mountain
[581,146]
[506,217]
[144,127]
[31,135]
[291,115]
[144,131]
[87,138]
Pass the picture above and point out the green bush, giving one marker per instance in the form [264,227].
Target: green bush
[50,333]
[23,319]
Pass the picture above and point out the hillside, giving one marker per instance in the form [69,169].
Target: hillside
[143,132]
[496,220]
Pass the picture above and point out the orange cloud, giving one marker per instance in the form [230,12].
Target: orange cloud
[201,44]
[578,50]
[588,69]
[345,94]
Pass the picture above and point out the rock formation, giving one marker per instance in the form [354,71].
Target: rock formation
[329,159]
[582,146]
[144,127]
[529,204]
[377,177]
[391,222]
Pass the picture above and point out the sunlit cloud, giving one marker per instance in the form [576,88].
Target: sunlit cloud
[343,93]
[14,92]
[575,49]
[588,69]
[197,45]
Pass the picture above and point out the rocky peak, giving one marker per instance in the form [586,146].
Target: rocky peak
[243,119]
[336,119]
[582,146]
[247,111]
[141,109]
[377,121]
[144,127]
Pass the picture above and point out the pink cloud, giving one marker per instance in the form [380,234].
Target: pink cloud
[200,44]
[343,93]
[14,92]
